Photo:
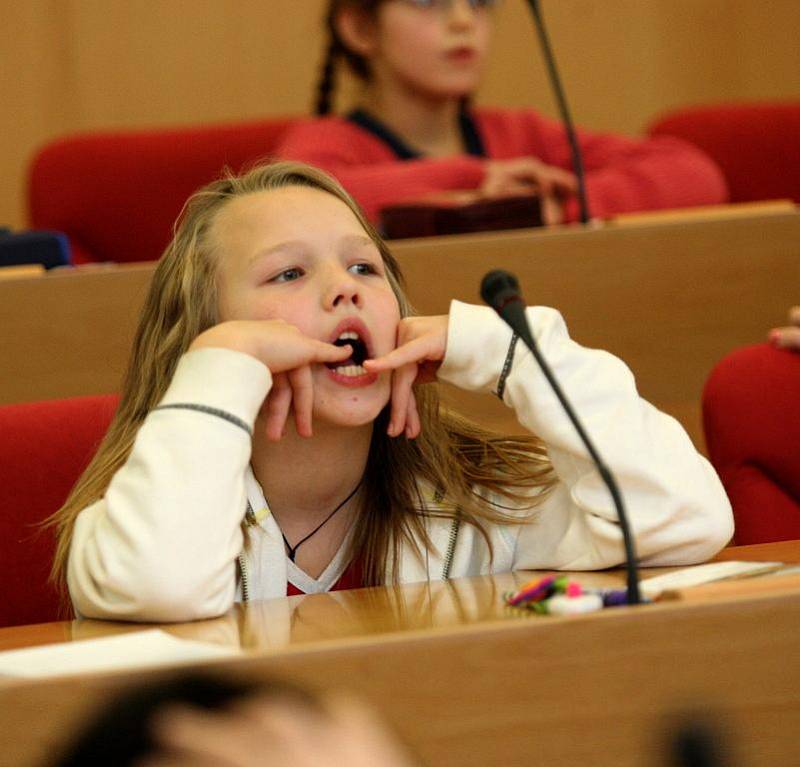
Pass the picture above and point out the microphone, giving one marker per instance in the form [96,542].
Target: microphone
[500,290]
[569,127]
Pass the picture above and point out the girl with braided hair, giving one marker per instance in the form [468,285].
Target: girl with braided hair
[415,132]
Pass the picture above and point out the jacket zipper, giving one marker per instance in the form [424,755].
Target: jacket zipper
[250,521]
[244,576]
[451,547]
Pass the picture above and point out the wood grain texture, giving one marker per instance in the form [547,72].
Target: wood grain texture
[777,551]
[278,625]
[670,298]
[68,333]
[468,683]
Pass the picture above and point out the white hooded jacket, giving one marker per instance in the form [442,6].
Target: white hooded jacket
[163,543]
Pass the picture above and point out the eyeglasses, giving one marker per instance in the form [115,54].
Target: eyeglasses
[441,5]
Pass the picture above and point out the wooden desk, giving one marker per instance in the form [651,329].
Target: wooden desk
[69,332]
[468,682]
[670,297]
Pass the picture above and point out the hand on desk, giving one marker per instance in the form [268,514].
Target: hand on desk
[524,175]
[788,337]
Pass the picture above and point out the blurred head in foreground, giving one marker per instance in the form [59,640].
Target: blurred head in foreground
[193,720]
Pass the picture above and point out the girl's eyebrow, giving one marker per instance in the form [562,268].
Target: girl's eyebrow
[357,241]
[298,247]
[290,247]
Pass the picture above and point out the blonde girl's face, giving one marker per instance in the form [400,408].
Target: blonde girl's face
[437,48]
[300,255]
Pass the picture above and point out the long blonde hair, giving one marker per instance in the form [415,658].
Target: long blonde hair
[451,455]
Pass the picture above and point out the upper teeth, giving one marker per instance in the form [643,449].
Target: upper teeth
[348,335]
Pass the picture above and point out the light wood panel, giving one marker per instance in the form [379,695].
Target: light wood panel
[69,332]
[72,65]
[670,298]
[277,625]
[779,551]
[467,683]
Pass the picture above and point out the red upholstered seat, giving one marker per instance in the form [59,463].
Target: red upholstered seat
[751,415]
[117,195]
[757,145]
[44,446]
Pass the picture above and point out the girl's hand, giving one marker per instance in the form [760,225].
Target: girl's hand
[524,175]
[289,354]
[421,346]
[788,337]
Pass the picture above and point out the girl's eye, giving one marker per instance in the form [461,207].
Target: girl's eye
[363,268]
[447,4]
[288,275]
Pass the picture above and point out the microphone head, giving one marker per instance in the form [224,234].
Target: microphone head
[498,287]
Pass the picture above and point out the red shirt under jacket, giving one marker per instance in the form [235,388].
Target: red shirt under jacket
[351,578]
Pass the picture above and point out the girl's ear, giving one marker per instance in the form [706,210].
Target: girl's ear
[357,30]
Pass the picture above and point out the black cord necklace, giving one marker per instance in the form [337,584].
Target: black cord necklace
[292,550]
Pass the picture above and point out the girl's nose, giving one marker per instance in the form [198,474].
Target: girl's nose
[342,290]
[460,13]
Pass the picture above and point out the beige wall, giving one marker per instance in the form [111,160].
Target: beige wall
[74,65]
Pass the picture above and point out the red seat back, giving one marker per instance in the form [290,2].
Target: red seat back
[117,195]
[752,427]
[44,447]
[757,145]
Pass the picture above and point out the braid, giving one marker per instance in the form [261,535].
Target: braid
[327,79]
[336,49]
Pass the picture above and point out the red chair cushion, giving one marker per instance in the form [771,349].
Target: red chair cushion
[117,195]
[752,426]
[44,448]
[757,145]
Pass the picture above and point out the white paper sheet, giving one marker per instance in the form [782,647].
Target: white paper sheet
[136,649]
[707,573]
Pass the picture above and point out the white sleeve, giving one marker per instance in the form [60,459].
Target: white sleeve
[678,510]
[161,545]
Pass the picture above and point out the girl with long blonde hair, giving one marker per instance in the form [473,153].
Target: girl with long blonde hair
[280,432]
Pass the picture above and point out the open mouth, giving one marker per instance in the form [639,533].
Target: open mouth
[353,366]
